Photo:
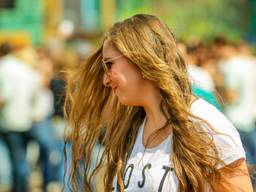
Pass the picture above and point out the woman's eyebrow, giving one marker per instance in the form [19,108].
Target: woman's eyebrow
[111,58]
[106,58]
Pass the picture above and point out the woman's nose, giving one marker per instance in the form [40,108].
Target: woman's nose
[106,80]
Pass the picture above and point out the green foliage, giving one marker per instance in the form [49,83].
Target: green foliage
[192,19]
[128,8]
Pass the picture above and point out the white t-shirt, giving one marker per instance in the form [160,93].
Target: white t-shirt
[150,169]
[18,87]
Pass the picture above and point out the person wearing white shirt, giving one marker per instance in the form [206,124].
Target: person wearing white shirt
[18,85]
[135,92]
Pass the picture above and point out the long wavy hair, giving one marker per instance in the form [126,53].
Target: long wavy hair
[92,111]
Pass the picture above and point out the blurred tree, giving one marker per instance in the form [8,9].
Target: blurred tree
[251,35]
[127,8]
[195,19]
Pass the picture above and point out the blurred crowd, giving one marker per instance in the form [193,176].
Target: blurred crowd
[32,93]
[224,74]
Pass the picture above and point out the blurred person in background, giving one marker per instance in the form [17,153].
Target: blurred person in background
[199,76]
[43,130]
[201,80]
[158,136]
[5,49]
[6,177]
[239,69]
[19,85]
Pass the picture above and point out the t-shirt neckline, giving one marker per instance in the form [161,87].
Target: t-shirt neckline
[141,130]
[150,149]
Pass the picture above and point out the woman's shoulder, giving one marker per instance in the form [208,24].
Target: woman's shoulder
[225,135]
[206,111]
[203,109]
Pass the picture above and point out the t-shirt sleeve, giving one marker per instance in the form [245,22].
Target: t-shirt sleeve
[225,136]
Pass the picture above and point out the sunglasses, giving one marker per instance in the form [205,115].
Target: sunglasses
[106,64]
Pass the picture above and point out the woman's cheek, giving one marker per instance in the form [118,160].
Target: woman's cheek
[119,79]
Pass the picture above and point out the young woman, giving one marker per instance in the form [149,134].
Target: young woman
[134,92]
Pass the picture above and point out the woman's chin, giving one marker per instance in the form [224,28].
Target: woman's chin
[123,101]
[126,102]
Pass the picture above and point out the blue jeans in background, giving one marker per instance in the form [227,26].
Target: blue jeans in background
[6,178]
[17,144]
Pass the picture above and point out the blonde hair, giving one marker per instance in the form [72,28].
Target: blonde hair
[150,45]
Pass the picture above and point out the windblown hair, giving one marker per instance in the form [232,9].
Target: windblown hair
[150,45]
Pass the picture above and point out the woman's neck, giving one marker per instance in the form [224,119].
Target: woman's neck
[155,119]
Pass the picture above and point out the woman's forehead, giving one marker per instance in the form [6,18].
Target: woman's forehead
[107,43]
[109,50]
